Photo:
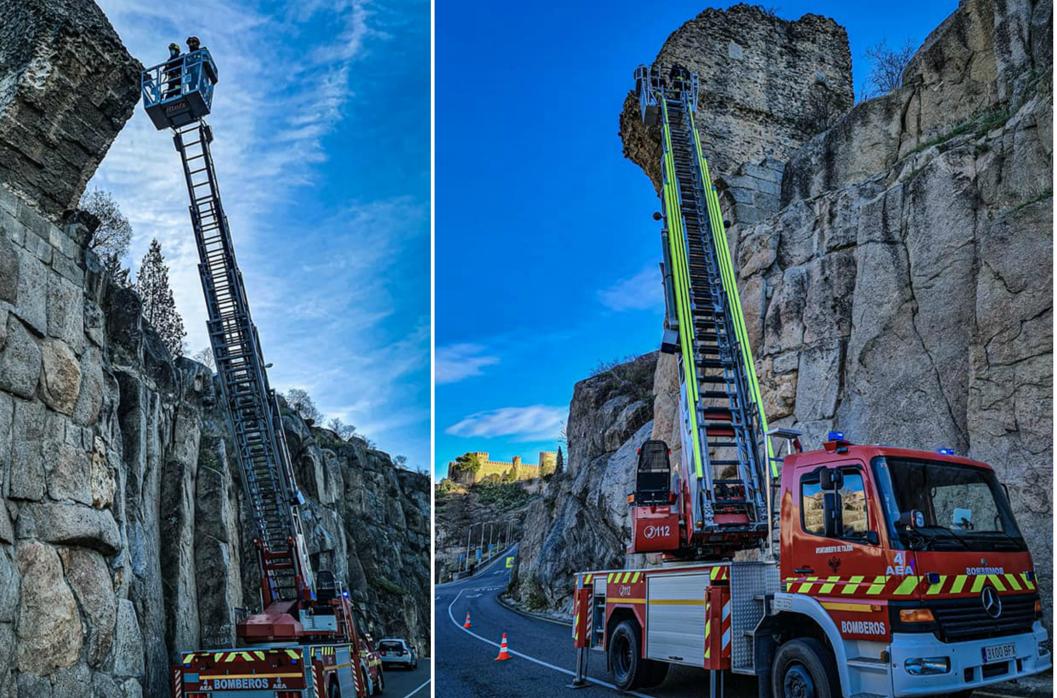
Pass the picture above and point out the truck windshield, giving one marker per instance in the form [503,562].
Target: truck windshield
[961,507]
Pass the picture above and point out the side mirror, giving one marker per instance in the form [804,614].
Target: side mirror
[831,479]
[872,538]
[831,515]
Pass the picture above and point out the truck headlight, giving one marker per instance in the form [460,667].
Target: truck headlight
[919,666]
[1045,647]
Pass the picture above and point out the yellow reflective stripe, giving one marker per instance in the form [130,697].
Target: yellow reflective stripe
[907,586]
[587,579]
[850,607]
[853,584]
[996,580]
[959,582]
[719,235]
[680,272]
[806,586]
[636,577]
[609,578]
[708,624]
[937,587]
[828,586]
[1030,585]
[1011,579]
[978,582]
[877,587]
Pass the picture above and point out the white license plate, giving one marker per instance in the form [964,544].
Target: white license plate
[999,653]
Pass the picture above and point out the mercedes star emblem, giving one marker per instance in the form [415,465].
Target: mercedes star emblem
[991,601]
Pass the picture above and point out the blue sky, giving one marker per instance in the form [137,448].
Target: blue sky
[321,119]
[546,253]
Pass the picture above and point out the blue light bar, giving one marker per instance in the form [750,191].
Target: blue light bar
[835,436]
[945,451]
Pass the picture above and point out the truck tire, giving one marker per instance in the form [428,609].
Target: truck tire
[333,690]
[379,685]
[804,668]
[626,664]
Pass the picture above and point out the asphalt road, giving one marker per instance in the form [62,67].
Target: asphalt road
[542,651]
[402,683]
[543,656]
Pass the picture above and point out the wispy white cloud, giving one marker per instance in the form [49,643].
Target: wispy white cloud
[531,423]
[457,362]
[642,291]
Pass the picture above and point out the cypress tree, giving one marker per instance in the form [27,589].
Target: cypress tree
[159,307]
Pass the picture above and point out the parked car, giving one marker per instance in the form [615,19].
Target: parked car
[396,651]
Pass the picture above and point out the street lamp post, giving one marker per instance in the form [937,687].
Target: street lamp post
[466,566]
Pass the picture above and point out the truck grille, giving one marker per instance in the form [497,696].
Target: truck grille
[966,619]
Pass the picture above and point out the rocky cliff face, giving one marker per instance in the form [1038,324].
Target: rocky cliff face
[120,504]
[68,84]
[895,268]
[581,520]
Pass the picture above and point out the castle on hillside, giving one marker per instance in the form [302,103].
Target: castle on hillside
[476,467]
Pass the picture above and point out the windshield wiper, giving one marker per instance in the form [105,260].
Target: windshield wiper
[953,536]
[999,539]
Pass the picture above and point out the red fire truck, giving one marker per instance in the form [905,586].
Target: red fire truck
[304,640]
[899,572]
[880,571]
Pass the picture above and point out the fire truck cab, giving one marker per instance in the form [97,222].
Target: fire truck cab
[911,568]
[899,572]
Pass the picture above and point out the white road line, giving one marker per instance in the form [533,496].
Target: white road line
[417,689]
[603,684]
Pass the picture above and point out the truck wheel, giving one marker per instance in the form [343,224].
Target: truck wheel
[804,668]
[626,664]
[379,685]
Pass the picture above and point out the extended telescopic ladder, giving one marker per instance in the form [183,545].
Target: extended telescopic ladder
[178,95]
[726,455]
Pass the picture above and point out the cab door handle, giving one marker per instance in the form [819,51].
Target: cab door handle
[804,570]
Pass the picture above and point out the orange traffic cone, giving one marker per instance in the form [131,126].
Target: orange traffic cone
[467,623]
[503,654]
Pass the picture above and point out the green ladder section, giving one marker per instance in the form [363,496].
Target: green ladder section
[724,427]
